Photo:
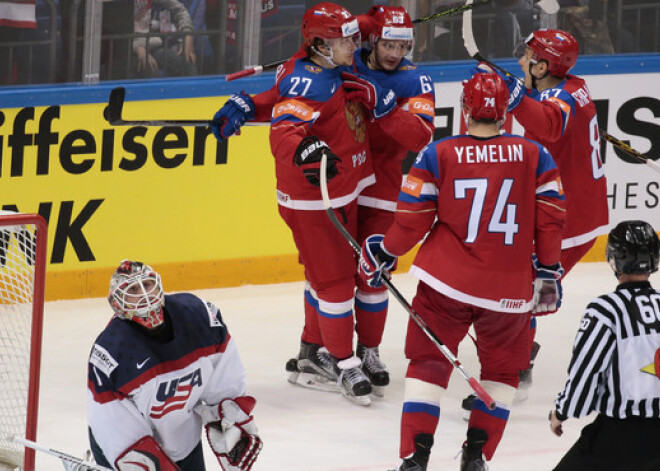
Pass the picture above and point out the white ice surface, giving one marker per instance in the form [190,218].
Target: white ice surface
[311,430]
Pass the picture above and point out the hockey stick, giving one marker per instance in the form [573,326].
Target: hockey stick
[68,460]
[474,384]
[473,51]
[630,151]
[273,65]
[256,70]
[113,114]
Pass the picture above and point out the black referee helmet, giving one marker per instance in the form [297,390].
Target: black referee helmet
[633,247]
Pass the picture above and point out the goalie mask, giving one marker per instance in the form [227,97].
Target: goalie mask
[136,294]
[633,247]
[485,97]
[558,48]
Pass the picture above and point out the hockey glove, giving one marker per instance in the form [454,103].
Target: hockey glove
[547,288]
[516,89]
[308,158]
[232,433]
[379,101]
[375,261]
[233,114]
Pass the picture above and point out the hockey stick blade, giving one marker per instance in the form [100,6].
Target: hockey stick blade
[65,457]
[619,144]
[113,114]
[113,111]
[327,203]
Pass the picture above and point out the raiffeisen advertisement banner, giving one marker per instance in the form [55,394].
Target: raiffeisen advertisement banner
[205,214]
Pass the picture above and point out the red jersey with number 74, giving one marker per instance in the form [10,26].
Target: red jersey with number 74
[489,204]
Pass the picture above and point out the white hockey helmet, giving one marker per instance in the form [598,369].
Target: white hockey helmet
[136,294]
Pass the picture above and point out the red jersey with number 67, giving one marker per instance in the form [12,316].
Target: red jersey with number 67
[563,119]
[489,203]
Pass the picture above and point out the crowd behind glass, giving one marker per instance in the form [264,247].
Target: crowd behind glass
[165,38]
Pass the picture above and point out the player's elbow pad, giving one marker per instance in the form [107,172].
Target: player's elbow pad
[145,455]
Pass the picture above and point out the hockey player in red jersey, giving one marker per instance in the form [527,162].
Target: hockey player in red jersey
[314,114]
[556,109]
[389,31]
[164,366]
[488,201]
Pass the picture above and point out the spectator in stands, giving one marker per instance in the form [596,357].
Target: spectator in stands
[162,55]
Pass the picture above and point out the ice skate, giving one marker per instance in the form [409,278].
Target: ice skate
[374,369]
[522,393]
[420,459]
[313,368]
[472,459]
[355,385]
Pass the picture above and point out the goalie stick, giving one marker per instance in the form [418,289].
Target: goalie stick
[473,50]
[474,384]
[71,463]
[273,65]
[113,114]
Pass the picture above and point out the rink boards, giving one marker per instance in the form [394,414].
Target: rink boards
[204,214]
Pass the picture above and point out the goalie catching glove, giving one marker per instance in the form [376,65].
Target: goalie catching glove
[233,114]
[547,288]
[232,433]
[375,261]
[308,158]
[380,101]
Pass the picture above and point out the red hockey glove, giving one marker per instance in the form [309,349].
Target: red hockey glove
[232,433]
[308,157]
[375,261]
[380,101]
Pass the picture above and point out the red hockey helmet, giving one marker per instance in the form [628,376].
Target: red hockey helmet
[328,20]
[558,48]
[485,97]
[385,22]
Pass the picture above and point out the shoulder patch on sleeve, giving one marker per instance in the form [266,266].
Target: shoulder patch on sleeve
[102,360]
[565,107]
[423,106]
[294,108]
[413,186]
[214,314]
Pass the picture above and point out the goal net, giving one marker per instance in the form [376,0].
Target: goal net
[22,272]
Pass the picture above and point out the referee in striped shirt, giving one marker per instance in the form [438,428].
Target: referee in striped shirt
[615,368]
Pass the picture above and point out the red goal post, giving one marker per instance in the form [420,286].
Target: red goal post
[23,241]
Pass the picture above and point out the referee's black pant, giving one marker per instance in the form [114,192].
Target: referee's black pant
[631,444]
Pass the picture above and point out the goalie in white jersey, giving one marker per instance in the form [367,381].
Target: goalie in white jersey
[615,369]
[164,366]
